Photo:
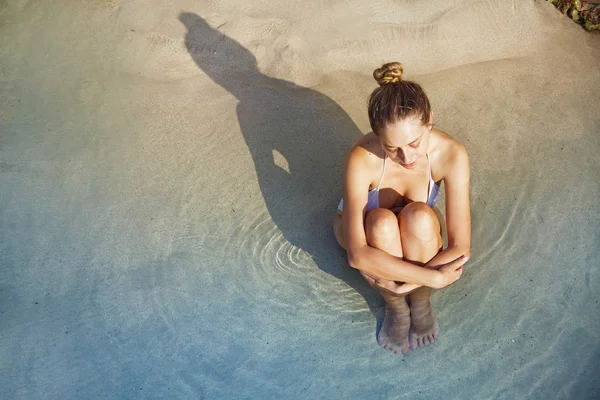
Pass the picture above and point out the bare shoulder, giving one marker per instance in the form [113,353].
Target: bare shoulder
[367,151]
[364,160]
[448,154]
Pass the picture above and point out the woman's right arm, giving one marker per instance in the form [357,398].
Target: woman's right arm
[369,259]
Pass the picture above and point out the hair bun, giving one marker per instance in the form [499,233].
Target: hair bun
[389,73]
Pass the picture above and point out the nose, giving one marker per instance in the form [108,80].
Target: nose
[402,156]
[406,158]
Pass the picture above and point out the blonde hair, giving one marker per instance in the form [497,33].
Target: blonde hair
[396,99]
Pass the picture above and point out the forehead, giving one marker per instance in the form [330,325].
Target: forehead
[402,133]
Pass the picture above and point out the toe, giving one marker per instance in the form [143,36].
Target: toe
[426,341]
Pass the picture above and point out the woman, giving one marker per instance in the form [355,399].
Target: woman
[386,221]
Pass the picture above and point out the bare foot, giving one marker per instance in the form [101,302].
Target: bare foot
[424,328]
[393,335]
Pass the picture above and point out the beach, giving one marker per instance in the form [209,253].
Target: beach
[169,172]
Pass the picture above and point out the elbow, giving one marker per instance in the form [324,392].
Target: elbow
[462,248]
[467,249]
[467,252]
[354,259]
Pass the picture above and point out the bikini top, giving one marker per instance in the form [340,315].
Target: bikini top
[433,191]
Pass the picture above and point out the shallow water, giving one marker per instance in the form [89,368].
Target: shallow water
[168,184]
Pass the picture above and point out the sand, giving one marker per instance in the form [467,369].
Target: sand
[169,171]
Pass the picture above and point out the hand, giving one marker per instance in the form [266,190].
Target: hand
[401,289]
[450,272]
[405,288]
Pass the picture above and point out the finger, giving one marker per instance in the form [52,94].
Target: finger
[406,288]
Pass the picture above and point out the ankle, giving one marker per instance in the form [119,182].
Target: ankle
[397,305]
[421,309]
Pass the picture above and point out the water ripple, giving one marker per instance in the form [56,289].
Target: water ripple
[282,273]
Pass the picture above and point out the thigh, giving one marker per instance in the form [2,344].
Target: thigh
[338,229]
[442,221]
[420,229]
[383,232]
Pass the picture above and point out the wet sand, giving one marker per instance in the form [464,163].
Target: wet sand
[169,172]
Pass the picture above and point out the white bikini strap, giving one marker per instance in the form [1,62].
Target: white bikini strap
[429,185]
[382,172]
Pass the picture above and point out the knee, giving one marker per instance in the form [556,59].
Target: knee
[381,224]
[418,220]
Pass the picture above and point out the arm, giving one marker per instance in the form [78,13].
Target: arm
[458,218]
[361,256]
[458,209]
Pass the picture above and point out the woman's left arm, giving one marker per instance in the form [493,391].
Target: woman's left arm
[458,208]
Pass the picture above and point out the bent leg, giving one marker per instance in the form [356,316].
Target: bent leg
[380,234]
[421,241]
[381,228]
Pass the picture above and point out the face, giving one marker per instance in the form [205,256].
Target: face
[406,141]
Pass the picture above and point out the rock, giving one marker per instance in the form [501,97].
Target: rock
[584,12]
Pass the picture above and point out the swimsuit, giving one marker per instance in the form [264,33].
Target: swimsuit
[433,191]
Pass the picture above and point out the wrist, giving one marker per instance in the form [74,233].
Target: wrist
[436,280]
[432,267]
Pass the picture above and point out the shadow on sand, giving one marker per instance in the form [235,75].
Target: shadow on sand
[304,126]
